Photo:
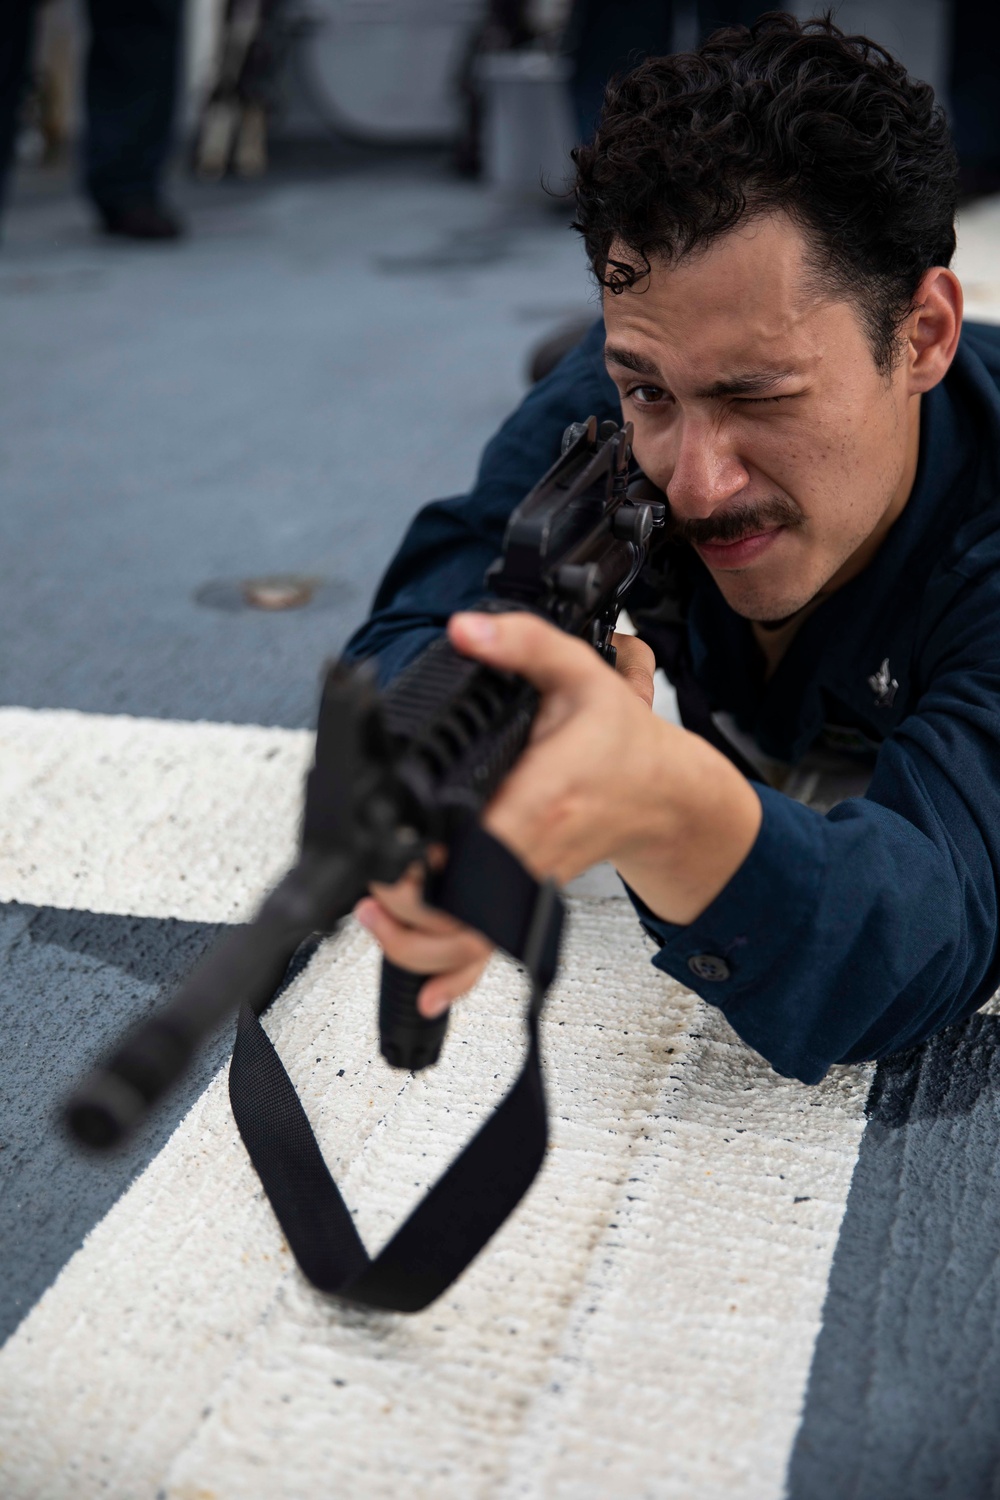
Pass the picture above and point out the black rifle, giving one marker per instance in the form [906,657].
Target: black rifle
[395,773]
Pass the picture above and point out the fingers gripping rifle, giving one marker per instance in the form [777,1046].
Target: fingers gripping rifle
[395,773]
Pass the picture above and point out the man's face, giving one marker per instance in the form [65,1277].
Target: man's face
[784,452]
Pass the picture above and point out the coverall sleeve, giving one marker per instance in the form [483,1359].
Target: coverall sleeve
[855,934]
[440,565]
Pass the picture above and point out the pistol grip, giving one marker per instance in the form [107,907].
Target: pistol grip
[407,1039]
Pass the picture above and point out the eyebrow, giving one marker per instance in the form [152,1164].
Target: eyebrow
[750,383]
[630,361]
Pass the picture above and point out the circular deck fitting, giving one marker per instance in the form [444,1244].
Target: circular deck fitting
[280,591]
[273,592]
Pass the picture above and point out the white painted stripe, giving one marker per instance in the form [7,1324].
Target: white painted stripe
[145,817]
[643,1326]
[976,260]
[153,817]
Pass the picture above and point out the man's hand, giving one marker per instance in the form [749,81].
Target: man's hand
[601,779]
[424,940]
[635,665]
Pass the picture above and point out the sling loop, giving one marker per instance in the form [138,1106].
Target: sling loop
[486,887]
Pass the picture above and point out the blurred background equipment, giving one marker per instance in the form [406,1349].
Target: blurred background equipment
[376,72]
[513,60]
[525,123]
[233,128]
[387,70]
[506,85]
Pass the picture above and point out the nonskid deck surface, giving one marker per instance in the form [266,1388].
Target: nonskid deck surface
[723,1284]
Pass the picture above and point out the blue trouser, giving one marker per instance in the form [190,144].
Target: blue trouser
[610,36]
[130,89]
[973,93]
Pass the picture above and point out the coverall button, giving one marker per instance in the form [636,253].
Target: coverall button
[709,966]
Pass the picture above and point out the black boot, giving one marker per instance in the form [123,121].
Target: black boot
[141,219]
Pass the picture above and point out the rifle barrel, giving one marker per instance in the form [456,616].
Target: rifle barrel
[245,968]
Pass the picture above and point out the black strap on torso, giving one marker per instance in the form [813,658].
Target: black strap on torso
[659,605]
[484,886]
[668,641]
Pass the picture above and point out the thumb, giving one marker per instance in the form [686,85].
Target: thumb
[520,642]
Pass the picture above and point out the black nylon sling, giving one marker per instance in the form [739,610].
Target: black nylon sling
[668,641]
[486,887]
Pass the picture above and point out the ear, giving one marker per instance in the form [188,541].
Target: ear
[932,330]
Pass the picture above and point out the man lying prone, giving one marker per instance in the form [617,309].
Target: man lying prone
[771,221]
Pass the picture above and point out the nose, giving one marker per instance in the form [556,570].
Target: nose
[705,471]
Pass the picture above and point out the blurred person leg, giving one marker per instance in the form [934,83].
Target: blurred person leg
[604,37]
[131,92]
[975,95]
[17,29]
[715,13]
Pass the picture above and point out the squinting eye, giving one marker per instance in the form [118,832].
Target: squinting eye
[646,395]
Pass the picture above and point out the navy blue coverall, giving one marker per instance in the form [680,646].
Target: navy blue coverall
[856,933]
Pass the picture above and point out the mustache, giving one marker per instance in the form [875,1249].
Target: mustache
[748,519]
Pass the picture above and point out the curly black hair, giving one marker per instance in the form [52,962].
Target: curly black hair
[782,116]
